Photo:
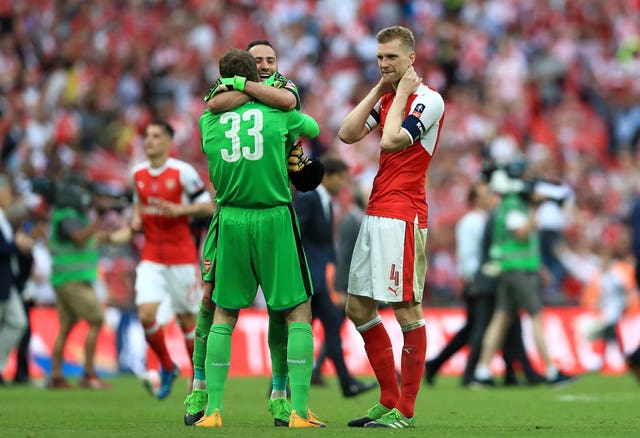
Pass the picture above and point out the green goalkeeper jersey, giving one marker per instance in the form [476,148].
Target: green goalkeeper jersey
[247,150]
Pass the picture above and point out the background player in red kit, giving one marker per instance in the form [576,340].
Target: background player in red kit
[167,192]
[389,260]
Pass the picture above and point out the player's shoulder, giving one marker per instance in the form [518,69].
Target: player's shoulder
[427,92]
[428,97]
[136,169]
[178,164]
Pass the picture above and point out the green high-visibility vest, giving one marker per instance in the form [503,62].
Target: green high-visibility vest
[70,262]
[513,254]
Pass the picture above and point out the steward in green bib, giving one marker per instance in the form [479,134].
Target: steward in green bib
[71,262]
[74,271]
[512,253]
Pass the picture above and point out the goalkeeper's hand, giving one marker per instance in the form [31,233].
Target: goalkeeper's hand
[226,84]
[297,160]
[276,80]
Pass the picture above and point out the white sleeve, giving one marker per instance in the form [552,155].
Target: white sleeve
[192,184]
[423,119]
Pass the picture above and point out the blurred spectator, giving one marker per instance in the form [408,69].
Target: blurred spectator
[610,291]
[634,220]
[13,245]
[633,362]
[36,227]
[554,199]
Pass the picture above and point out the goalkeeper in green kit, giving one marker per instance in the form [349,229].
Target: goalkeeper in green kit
[254,237]
[276,91]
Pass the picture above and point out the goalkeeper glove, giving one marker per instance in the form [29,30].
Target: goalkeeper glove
[297,160]
[309,177]
[226,84]
[276,80]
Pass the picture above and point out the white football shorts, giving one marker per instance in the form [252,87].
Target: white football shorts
[389,262]
[181,283]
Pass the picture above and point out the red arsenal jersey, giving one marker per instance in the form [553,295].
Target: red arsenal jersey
[399,186]
[167,240]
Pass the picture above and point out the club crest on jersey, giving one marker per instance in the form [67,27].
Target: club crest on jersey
[207,265]
[418,110]
[170,184]
[140,184]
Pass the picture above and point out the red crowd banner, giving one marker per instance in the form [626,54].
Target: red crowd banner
[564,331]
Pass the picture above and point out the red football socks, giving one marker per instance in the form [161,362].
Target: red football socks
[412,365]
[154,334]
[380,353]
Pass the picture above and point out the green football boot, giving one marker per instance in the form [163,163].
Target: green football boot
[281,411]
[393,419]
[377,411]
[196,403]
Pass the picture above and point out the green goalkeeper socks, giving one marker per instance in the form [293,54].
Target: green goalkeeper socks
[203,325]
[277,340]
[217,364]
[300,362]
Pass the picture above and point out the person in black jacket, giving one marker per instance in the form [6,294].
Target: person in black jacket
[315,215]
[13,320]
[347,235]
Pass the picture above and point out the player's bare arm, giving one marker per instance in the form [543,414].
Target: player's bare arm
[196,209]
[353,127]
[82,235]
[279,98]
[394,138]
[226,101]
[136,218]
[120,236]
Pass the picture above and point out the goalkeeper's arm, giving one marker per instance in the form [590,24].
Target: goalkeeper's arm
[226,101]
[279,98]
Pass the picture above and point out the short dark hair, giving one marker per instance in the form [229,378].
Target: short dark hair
[168,129]
[236,62]
[474,192]
[258,43]
[333,165]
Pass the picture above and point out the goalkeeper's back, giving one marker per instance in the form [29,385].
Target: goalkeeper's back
[247,150]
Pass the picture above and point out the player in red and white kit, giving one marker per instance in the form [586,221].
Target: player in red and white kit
[167,192]
[389,261]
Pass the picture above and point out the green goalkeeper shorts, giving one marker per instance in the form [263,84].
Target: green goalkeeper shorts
[209,250]
[250,247]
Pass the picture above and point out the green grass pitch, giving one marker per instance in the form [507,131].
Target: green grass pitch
[596,405]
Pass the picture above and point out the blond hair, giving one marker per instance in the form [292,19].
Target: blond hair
[397,32]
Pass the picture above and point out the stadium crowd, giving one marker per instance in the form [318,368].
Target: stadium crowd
[556,83]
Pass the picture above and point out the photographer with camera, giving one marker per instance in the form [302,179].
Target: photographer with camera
[515,251]
[75,226]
